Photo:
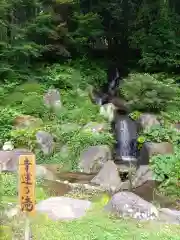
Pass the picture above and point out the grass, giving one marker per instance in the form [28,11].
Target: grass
[96,225]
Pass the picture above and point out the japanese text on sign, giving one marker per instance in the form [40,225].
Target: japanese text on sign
[27,183]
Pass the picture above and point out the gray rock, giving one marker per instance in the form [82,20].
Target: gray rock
[63,208]
[150,149]
[147,120]
[142,175]
[9,159]
[43,172]
[128,204]
[93,158]
[169,216]
[108,178]
[52,99]
[45,141]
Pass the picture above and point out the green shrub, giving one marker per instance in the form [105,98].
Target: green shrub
[25,137]
[172,116]
[9,184]
[33,104]
[13,99]
[145,93]
[135,115]
[162,134]
[93,72]
[31,87]
[6,122]
[63,77]
[166,168]
[77,109]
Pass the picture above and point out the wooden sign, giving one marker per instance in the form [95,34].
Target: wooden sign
[27,181]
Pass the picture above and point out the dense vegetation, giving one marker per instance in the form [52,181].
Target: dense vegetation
[69,45]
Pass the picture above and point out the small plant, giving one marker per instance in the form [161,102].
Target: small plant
[140,141]
[135,115]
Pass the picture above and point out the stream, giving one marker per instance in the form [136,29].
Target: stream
[125,152]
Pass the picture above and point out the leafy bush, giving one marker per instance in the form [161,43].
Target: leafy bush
[145,92]
[9,184]
[33,105]
[6,122]
[25,137]
[77,109]
[162,134]
[13,99]
[30,87]
[93,72]
[135,115]
[63,77]
[172,116]
[166,168]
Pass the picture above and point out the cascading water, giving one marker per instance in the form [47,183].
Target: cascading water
[125,131]
[124,128]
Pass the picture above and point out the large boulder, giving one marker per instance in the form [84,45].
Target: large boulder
[128,204]
[26,121]
[9,159]
[146,121]
[45,141]
[63,208]
[150,149]
[108,177]
[142,175]
[52,99]
[93,158]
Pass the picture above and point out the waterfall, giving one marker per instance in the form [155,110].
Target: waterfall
[125,131]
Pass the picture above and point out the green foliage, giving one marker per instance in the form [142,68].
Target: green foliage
[6,122]
[135,115]
[145,92]
[172,116]
[33,105]
[9,184]
[64,77]
[159,45]
[25,137]
[167,169]
[162,134]
[30,87]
